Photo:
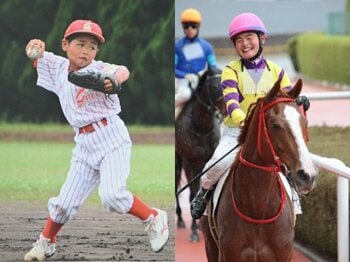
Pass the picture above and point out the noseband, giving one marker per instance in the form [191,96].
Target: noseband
[278,167]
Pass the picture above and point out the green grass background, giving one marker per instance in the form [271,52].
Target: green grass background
[33,171]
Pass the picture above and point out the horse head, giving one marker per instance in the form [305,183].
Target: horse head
[287,128]
[209,92]
[282,136]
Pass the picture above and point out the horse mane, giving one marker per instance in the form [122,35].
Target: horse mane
[211,71]
[247,121]
[251,111]
[203,78]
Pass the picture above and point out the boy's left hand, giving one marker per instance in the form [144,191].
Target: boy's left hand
[108,85]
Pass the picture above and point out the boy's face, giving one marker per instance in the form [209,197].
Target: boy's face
[247,44]
[80,51]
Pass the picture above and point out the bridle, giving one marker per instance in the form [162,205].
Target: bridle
[262,128]
[211,106]
[276,168]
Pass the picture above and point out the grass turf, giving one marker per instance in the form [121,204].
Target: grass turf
[35,171]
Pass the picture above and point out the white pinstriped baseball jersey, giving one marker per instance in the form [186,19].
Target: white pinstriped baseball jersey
[80,106]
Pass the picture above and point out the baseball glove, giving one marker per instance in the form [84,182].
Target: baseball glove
[94,80]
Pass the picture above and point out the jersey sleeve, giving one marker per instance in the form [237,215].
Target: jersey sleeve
[48,68]
[229,85]
[101,66]
[178,72]
[109,68]
[285,83]
[211,58]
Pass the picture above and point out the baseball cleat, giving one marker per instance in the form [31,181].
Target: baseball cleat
[42,249]
[158,231]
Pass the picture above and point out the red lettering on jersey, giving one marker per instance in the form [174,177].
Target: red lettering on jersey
[84,96]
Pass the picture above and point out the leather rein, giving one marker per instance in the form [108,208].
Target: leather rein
[276,168]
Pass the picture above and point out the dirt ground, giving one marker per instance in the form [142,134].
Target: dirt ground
[94,235]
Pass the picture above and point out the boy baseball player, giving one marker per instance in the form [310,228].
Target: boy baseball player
[103,146]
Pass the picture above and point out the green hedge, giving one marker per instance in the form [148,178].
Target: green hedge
[321,56]
[316,228]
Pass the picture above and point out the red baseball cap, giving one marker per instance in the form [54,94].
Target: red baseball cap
[85,27]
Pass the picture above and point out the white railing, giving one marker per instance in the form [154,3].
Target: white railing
[328,95]
[337,167]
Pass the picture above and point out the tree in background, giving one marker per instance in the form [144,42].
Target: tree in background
[139,34]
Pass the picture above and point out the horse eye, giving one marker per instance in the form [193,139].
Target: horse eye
[276,126]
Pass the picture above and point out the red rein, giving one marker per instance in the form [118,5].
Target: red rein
[271,169]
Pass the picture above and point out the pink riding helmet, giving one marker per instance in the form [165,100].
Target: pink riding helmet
[246,22]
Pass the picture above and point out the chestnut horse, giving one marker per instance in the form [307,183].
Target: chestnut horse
[197,133]
[254,218]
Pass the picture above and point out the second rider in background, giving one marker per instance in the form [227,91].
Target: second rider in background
[193,55]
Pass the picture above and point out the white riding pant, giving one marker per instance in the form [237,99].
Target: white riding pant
[183,91]
[99,158]
[227,141]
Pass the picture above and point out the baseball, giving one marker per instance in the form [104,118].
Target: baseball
[33,52]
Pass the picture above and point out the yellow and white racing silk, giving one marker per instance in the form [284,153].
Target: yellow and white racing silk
[244,82]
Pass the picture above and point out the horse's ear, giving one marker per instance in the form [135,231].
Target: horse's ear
[296,90]
[212,70]
[274,90]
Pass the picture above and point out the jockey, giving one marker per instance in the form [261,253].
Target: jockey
[243,81]
[192,55]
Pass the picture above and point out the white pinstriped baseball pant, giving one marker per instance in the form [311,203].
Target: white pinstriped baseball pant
[99,158]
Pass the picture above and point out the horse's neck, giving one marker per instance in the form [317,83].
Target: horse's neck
[205,118]
[254,185]
[258,190]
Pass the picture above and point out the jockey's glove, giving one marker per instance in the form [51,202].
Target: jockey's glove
[303,100]
[193,79]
